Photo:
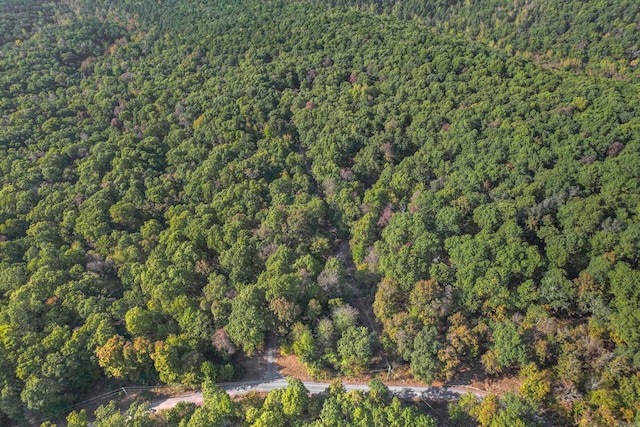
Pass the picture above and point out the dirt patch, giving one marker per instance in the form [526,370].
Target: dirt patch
[289,365]
[499,386]
[474,376]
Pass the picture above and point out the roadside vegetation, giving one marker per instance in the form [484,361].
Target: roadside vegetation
[293,406]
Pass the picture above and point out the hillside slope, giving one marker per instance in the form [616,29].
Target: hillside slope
[180,180]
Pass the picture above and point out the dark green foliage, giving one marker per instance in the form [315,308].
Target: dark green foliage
[290,406]
[424,358]
[19,19]
[508,345]
[509,410]
[626,320]
[355,349]
[110,416]
[180,179]
[597,36]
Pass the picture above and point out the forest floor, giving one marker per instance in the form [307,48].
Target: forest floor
[278,367]
[471,379]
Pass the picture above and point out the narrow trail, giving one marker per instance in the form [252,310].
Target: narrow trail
[272,372]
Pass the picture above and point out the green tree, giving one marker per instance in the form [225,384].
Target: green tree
[625,319]
[78,419]
[176,361]
[536,385]
[248,320]
[508,345]
[304,345]
[425,364]
[355,348]
[295,399]
[109,415]
[217,402]
[378,391]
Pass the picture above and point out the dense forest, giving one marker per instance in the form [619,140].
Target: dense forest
[600,37]
[181,180]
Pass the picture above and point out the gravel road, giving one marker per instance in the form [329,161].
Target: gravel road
[235,389]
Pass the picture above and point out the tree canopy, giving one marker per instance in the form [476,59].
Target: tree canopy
[178,180]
